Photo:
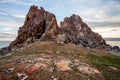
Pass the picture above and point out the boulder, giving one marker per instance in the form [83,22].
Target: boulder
[116,48]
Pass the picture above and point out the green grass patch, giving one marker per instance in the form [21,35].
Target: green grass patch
[103,63]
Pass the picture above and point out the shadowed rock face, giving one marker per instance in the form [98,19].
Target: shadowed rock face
[39,25]
[78,32]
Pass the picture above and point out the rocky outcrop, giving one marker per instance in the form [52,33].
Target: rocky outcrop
[77,32]
[41,25]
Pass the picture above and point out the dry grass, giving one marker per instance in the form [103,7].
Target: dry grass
[97,60]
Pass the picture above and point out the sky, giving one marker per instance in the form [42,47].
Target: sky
[102,16]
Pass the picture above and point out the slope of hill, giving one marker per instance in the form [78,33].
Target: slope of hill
[57,61]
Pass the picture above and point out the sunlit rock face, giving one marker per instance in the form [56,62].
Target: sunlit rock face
[78,32]
[39,25]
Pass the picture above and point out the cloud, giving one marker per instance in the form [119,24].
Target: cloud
[53,7]
[22,16]
[7,29]
[114,30]
[107,32]
[16,2]
[93,15]
[106,12]
[22,2]
[7,13]
[15,16]
[103,24]
[36,0]
[11,23]
[104,29]
[7,39]
[7,35]
[85,2]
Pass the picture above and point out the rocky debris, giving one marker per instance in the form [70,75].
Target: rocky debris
[53,78]
[53,66]
[28,66]
[112,68]
[22,76]
[34,68]
[87,70]
[52,69]
[84,68]
[32,61]
[116,48]
[9,70]
[4,50]
[63,65]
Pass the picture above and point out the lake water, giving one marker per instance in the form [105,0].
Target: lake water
[111,41]
[114,43]
[4,43]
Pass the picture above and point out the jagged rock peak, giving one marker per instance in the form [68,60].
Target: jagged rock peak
[35,8]
[39,25]
[78,32]
[75,17]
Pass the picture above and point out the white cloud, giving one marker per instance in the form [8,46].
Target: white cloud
[36,0]
[19,16]
[21,2]
[84,1]
[8,35]
[7,39]
[107,31]
[11,23]
[16,2]
[95,15]
[7,29]
[53,7]
[101,13]
[15,16]
[111,5]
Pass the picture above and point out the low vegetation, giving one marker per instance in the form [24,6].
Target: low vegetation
[57,61]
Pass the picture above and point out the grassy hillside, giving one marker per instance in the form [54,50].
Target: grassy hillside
[57,61]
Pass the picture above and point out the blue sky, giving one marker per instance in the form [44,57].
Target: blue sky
[103,16]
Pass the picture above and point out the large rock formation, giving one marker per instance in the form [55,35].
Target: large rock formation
[41,25]
[78,32]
